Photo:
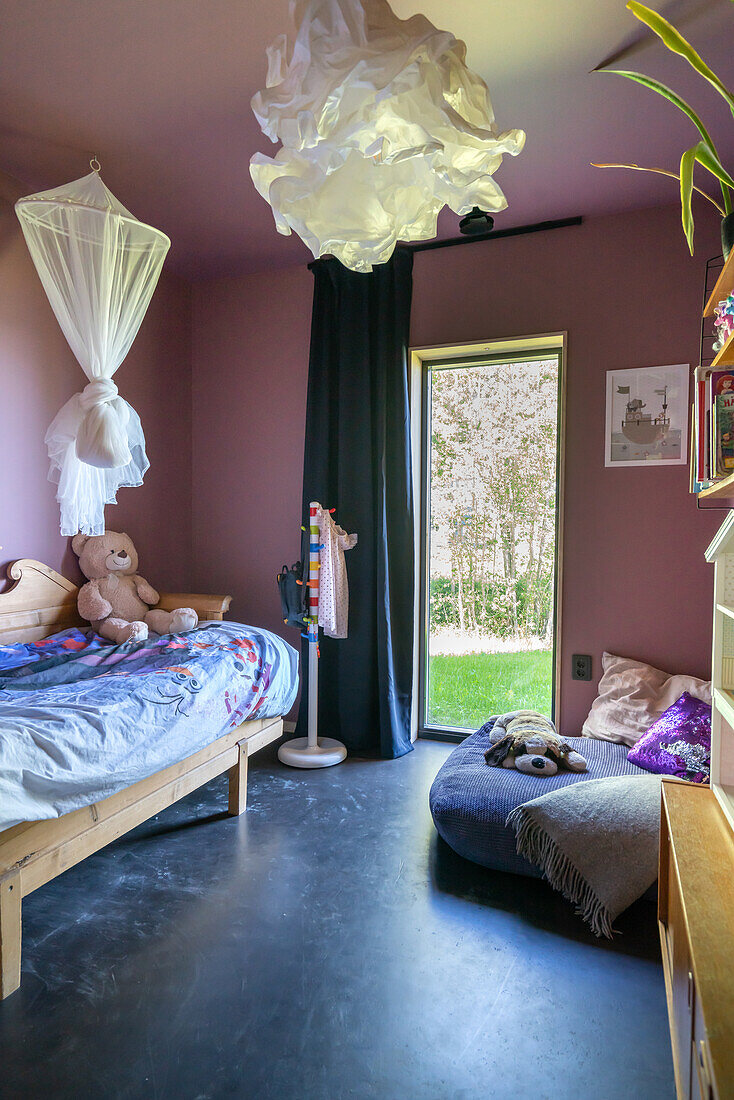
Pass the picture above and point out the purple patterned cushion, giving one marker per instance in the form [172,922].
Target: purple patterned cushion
[679,743]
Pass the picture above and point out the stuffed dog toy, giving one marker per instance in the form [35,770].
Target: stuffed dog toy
[116,601]
[527,740]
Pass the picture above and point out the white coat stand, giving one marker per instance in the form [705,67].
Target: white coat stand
[313,751]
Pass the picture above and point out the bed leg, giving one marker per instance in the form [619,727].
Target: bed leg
[10,899]
[238,784]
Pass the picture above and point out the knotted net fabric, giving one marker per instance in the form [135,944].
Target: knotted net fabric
[99,267]
[381,123]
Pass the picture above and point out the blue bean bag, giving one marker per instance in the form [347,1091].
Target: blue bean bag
[470,800]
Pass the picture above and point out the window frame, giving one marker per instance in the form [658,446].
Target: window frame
[422,361]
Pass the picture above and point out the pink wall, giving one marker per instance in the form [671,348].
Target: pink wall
[156,379]
[250,367]
[220,506]
[627,293]
[38,373]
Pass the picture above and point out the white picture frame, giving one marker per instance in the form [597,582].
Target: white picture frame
[647,416]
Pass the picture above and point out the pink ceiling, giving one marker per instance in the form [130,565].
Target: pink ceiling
[160,91]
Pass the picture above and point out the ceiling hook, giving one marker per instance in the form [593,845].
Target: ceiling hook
[94,164]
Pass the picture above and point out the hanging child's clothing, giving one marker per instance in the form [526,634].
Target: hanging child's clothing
[333,587]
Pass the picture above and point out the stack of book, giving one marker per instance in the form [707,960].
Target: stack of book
[712,430]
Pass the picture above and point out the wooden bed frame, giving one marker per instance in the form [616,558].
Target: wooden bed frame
[40,603]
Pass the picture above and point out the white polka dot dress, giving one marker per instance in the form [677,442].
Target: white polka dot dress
[333,586]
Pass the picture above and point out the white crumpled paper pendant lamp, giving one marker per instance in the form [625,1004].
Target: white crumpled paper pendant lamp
[381,124]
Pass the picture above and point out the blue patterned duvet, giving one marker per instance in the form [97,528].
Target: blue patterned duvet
[81,719]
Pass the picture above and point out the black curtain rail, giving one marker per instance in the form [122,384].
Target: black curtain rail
[515,231]
[495,234]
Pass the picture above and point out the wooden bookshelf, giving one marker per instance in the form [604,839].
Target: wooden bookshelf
[724,286]
[719,489]
[724,488]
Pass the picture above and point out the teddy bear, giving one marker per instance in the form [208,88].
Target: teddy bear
[527,740]
[116,601]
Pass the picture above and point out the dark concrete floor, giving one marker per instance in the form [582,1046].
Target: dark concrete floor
[324,945]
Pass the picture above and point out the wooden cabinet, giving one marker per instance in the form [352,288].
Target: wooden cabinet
[696,916]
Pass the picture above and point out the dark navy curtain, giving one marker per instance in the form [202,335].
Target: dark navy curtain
[357,461]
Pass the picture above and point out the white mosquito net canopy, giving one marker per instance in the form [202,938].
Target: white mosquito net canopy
[99,267]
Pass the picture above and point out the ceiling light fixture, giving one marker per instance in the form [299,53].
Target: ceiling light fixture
[381,125]
[476,222]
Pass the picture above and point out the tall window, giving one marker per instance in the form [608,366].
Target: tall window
[489,537]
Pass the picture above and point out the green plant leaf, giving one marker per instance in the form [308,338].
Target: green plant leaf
[676,43]
[669,94]
[687,162]
[712,163]
[702,154]
[663,172]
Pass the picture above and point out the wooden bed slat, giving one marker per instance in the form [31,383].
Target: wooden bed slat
[23,842]
[41,602]
[34,853]
[122,812]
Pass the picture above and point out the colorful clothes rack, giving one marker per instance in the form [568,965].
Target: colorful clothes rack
[314,751]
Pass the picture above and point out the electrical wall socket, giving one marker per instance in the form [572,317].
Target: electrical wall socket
[581,666]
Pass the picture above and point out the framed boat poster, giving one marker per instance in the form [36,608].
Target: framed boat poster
[647,416]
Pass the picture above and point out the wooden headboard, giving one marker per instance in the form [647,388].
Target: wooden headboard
[42,601]
[39,603]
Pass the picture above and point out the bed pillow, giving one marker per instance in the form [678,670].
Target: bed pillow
[679,743]
[633,695]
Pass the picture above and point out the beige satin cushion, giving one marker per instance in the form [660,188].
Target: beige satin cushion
[632,696]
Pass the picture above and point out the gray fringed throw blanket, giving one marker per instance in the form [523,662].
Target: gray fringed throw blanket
[596,842]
